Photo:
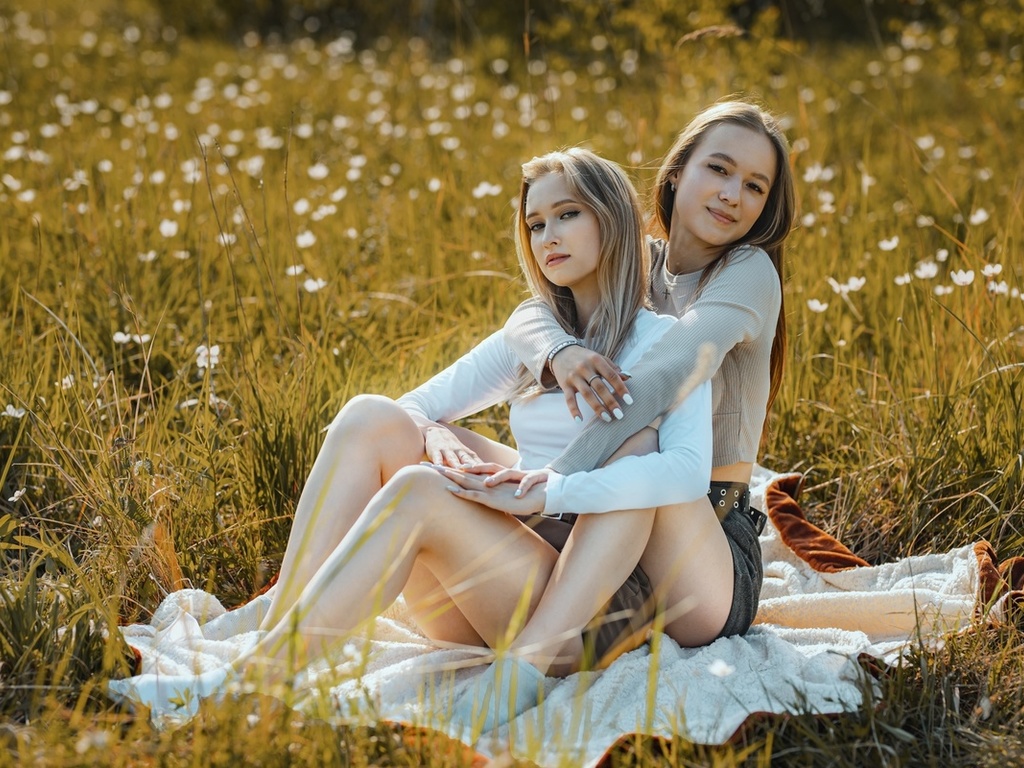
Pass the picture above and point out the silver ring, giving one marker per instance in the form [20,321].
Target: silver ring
[595,376]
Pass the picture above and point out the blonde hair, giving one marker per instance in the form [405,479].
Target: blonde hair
[772,227]
[623,264]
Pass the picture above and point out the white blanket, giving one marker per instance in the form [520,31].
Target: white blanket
[800,657]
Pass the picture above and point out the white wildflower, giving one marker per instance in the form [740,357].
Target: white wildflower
[980,216]
[926,270]
[295,269]
[816,306]
[962,277]
[991,270]
[168,228]
[17,495]
[1001,287]
[889,244]
[207,357]
[312,286]
[903,279]
[12,412]
[943,290]
[305,239]
[318,171]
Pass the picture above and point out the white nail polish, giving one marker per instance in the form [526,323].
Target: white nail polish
[518,493]
[605,417]
[617,413]
[627,399]
[578,419]
[453,488]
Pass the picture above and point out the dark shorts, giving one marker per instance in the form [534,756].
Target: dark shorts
[624,621]
[742,526]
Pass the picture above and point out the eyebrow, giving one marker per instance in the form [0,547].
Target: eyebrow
[728,159]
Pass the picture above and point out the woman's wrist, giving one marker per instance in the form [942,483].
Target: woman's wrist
[558,348]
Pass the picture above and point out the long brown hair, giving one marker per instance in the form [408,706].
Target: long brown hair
[772,227]
[623,265]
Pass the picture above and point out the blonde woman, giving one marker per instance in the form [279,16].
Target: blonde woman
[373,522]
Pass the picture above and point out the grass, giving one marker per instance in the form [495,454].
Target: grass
[156,190]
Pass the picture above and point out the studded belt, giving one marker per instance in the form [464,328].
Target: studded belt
[725,497]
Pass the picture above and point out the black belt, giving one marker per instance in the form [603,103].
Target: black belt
[725,497]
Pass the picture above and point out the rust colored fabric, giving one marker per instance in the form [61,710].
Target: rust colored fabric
[824,553]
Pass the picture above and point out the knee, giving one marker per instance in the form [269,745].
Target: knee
[413,487]
[372,417]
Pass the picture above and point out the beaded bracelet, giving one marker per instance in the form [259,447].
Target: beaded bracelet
[558,348]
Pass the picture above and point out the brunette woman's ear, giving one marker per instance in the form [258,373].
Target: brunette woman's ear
[672,181]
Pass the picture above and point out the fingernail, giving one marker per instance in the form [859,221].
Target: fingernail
[625,375]
[605,416]
[453,488]
[578,419]
[618,413]
[518,493]
[627,399]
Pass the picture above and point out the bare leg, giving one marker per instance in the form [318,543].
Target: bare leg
[369,440]
[601,552]
[490,564]
[689,562]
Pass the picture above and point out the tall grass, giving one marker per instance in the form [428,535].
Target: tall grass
[160,194]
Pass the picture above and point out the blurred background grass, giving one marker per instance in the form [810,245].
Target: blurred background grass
[320,198]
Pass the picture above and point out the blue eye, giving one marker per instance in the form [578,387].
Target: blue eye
[570,214]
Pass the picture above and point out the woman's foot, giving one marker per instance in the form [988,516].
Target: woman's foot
[502,692]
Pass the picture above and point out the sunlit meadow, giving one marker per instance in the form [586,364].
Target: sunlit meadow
[206,248]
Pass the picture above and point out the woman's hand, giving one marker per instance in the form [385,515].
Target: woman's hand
[502,496]
[445,449]
[579,370]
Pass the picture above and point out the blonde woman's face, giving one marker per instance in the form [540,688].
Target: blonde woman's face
[565,236]
[722,189]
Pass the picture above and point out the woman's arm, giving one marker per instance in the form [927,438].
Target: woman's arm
[733,308]
[677,473]
[556,358]
[479,379]
[533,333]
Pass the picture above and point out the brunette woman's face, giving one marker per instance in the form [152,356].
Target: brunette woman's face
[565,236]
[722,189]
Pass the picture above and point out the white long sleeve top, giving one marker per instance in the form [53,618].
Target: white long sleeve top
[679,472]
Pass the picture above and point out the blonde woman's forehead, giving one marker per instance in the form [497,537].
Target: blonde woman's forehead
[547,192]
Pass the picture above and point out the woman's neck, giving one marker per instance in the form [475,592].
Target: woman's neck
[684,256]
[586,305]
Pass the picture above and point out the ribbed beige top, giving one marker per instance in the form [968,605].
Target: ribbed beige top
[733,319]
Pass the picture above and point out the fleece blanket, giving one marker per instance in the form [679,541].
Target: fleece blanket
[822,610]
